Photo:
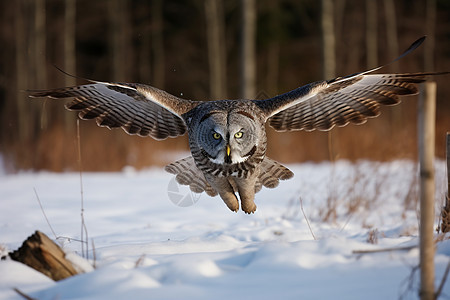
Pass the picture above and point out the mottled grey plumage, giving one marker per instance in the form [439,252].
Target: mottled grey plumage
[227,138]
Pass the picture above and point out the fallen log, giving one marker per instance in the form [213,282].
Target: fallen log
[42,254]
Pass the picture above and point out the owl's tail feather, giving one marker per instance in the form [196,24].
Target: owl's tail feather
[187,173]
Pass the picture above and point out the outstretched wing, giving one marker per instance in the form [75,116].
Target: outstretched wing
[137,108]
[352,99]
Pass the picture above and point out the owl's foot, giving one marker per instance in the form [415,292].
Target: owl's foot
[231,201]
[248,206]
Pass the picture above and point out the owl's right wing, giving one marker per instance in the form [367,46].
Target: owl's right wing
[136,108]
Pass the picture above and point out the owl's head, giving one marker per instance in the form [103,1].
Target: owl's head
[229,137]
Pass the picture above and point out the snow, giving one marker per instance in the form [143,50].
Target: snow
[146,247]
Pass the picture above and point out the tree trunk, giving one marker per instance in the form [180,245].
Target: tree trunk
[23,112]
[273,49]
[396,115]
[371,34]
[69,55]
[118,16]
[391,32]
[216,48]
[328,40]
[40,44]
[145,49]
[329,57]
[426,122]
[430,25]
[248,51]
[158,44]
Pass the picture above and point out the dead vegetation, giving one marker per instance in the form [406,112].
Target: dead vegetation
[43,255]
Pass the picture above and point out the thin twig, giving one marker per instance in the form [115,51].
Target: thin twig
[43,212]
[306,218]
[384,250]
[409,282]
[69,239]
[139,261]
[94,263]
[25,296]
[83,224]
[444,279]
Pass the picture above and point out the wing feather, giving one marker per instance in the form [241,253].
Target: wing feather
[351,99]
[187,173]
[323,105]
[271,173]
[137,108]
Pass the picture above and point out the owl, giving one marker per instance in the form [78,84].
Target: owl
[227,138]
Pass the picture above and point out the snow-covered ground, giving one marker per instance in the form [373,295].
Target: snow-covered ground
[146,247]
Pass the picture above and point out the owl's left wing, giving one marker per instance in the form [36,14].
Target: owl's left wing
[352,99]
[137,108]
[322,105]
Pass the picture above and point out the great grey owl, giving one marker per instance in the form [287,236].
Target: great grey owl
[227,138]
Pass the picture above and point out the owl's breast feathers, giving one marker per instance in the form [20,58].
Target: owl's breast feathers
[241,170]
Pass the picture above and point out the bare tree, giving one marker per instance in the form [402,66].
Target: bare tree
[328,54]
[215,31]
[118,19]
[40,43]
[430,25]
[69,53]
[273,48]
[328,40]
[248,51]
[158,43]
[371,34]
[145,45]
[391,31]
[39,76]
[23,112]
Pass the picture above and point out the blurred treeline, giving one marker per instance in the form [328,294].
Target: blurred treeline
[205,49]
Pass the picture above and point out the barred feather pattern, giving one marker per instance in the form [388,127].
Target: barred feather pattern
[243,169]
[271,172]
[187,173]
[341,101]
[269,175]
[137,109]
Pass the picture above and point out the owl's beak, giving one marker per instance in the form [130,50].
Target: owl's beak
[228,157]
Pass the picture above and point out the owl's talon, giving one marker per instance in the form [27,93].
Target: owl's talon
[232,203]
[249,208]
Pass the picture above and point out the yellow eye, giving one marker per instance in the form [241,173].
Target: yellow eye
[216,136]
[238,135]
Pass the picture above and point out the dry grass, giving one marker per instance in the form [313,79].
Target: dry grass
[101,150]
[444,225]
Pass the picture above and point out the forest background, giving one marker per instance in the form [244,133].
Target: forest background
[209,49]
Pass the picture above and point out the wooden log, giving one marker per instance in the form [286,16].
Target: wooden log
[42,254]
[426,134]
